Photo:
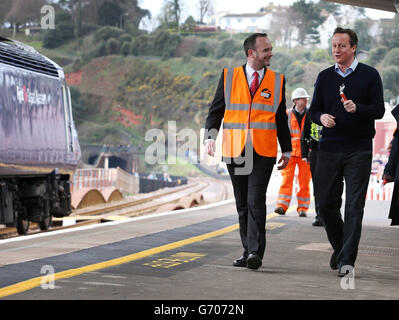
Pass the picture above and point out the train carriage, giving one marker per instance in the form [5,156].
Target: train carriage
[39,147]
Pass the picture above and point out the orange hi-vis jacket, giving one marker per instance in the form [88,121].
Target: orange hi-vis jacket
[244,114]
[296,133]
[304,175]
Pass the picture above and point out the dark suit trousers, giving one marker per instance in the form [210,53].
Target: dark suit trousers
[313,164]
[332,169]
[250,195]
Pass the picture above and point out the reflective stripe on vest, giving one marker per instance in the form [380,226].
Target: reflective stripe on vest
[296,132]
[244,114]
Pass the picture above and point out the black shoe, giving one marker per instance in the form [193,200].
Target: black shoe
[333,261]
[253,261]
[317,222]
[302,214]
[240,262]
[280,210]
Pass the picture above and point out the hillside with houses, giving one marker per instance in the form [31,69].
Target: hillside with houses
[110,60]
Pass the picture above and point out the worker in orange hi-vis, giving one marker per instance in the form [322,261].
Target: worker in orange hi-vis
[297,117]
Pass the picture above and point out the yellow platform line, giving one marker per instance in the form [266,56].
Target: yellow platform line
[35,282]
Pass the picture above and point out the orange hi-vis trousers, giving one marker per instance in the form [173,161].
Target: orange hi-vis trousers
[304,176]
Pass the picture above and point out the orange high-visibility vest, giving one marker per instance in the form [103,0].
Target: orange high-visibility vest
[244,114]
[296,132]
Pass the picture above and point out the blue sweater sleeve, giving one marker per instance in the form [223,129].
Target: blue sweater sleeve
[376,108]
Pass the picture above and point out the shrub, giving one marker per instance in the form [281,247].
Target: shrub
[100,49]
[240,57]
[295,73]
[390,78]
[106,33]
[112,46]
[187,58]
[376,55]
[320,55]
[125,38]
[203,49]
[281,61]
[392,58]
[126,48]
[62,33]
[227,48]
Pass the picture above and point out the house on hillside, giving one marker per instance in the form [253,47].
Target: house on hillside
[245,22]
[277,22]
[326,29]
[214,20]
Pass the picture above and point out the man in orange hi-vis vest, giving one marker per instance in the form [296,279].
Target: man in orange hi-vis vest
[251,99]
[297,117]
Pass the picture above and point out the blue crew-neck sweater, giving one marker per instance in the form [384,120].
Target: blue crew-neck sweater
[353,131]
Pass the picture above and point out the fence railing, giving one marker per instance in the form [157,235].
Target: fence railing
[105,178]
[125,182]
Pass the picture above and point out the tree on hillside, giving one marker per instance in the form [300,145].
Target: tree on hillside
[189,24]
[5,6]
[395,33]
[281,27]
[109,14]
[136,14]
[390,32]
[170,14]
[204,8]
[25,11]
[365,40]
[62,33]
[75,7]
[307,18]
[92,12]
[332,8]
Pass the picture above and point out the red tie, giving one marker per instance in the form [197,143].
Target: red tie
[255,83]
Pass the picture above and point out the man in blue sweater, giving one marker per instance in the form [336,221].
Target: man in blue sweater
[347,99]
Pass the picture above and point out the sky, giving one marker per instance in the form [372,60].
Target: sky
[236,6]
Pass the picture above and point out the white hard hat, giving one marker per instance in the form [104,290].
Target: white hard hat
[299,93]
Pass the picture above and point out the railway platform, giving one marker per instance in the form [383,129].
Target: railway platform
[188,254]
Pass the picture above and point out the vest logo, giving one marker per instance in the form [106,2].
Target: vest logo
[266,93]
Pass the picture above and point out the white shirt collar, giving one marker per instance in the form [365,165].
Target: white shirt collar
[351,68]
[250,72]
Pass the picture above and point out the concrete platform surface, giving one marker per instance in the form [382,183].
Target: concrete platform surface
[189,255]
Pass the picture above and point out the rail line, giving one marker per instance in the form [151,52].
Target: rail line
[158,201]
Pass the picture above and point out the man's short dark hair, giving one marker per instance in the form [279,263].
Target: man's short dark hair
[353,40]
[250,42]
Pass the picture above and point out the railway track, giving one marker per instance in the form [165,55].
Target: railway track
[159,201]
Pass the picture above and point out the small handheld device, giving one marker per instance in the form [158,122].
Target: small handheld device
[341,92]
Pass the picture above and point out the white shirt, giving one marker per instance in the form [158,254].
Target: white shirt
[347,71]
[250,74]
